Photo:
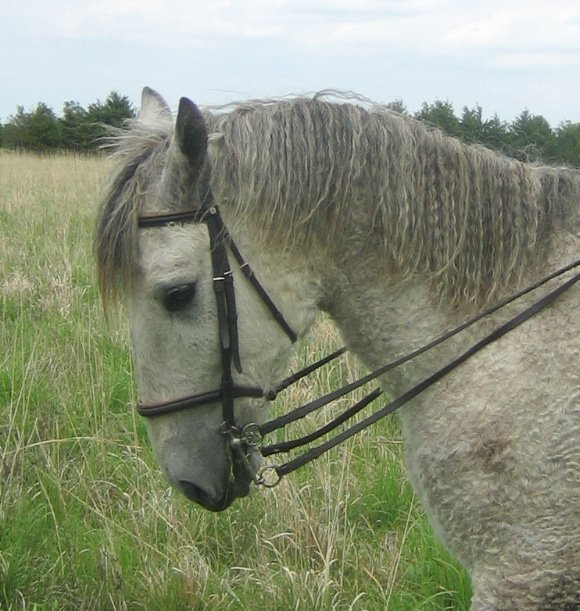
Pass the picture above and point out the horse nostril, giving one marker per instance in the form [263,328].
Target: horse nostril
[195,493]
[207,500]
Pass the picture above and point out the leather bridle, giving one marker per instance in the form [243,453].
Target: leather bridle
[245,441]
[223,286]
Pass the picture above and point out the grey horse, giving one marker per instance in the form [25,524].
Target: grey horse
[398,233]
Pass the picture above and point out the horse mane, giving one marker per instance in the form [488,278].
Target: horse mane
[310,171]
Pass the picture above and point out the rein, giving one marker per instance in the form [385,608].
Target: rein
[246,441]
[271,475]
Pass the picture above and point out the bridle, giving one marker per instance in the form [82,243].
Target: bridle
[245,441]
[223,285]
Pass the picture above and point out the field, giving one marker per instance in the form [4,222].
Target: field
[86,519]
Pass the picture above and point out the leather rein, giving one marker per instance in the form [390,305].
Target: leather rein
[247,440]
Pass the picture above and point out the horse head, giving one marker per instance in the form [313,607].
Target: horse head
[176,330]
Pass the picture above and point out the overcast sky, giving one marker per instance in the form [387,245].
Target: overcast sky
[505,55]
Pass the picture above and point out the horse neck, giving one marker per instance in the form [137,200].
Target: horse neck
[383,315]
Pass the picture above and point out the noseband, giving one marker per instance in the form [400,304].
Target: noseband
[244,441]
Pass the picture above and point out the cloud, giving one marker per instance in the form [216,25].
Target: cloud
[383,48]
[435,27]
[529,25]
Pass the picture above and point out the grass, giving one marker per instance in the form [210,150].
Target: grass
[86,519]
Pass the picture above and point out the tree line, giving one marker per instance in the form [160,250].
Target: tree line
[528,137]
[77,129]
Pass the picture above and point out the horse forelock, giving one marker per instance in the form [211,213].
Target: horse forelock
[138,153]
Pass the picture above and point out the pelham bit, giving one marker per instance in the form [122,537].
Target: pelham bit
[244,442]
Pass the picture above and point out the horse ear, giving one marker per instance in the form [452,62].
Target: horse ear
[153,107]
[186,154]
[191,133]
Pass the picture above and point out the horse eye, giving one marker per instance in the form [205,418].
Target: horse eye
[178,297]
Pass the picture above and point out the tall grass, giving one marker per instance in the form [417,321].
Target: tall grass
[86,519]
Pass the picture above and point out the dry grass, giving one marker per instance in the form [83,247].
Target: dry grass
[86,520]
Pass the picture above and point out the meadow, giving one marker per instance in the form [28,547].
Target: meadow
[87,520]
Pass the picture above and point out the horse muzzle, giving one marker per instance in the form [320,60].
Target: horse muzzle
[216,486]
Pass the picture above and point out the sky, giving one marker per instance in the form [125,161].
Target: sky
[505,55]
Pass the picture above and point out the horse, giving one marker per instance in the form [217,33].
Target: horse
[397,232]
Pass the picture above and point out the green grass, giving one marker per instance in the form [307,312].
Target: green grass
[86,519]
